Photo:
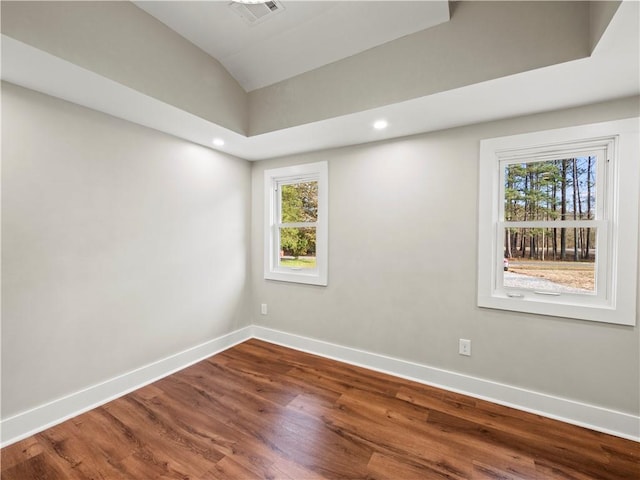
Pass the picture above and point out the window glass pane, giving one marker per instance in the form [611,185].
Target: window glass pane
[299,202]
[550,259]
[562,189]
[297,247]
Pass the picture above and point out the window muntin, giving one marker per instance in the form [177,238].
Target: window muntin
[605,287]
[296,224]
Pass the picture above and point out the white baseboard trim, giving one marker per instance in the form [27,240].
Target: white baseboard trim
[32,421]
[604,420]
[570,411]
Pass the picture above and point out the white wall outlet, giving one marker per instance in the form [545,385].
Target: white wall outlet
[263,308]
[464,347]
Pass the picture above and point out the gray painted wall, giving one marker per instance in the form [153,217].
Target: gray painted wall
[600,14]
[120,246]
[482,41]
[402,270]
[124,43]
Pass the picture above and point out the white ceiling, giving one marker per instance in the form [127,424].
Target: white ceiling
[612,71]
[303,37]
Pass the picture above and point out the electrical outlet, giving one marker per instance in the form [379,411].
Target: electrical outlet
[464,347]
[263,308]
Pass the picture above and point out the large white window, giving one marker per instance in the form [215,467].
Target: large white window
[558,222]
[296,224]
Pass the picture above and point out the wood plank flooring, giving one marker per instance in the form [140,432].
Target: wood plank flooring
[260,411]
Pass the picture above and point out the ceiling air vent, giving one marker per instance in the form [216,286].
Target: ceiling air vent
[254,13]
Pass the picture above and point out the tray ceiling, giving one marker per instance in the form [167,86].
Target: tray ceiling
[302,37]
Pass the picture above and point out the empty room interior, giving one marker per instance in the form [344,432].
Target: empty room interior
[320,240]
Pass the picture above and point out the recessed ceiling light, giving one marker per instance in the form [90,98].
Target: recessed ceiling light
[380,124]
[218,142]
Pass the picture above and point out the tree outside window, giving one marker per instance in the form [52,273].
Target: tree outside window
[558,222]
[299,205]
[297,224]
[563,259]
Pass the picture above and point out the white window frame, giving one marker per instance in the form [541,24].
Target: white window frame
[616,221]
[273,178]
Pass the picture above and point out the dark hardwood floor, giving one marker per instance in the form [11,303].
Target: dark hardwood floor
[263,411]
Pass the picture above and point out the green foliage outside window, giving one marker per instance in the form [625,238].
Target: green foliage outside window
[299,205]
[562,189]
